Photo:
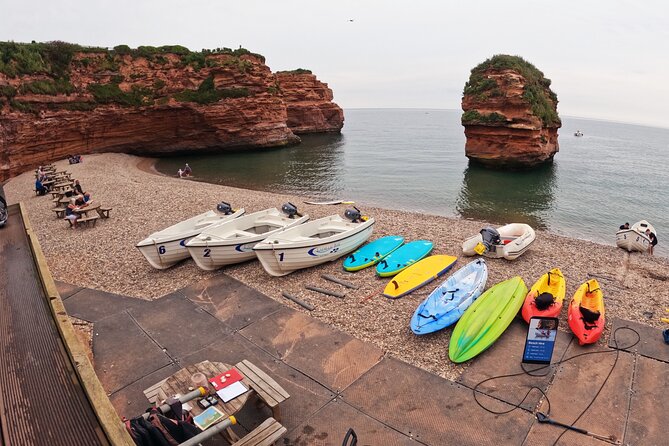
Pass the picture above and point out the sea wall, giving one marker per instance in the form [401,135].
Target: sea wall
[155,103]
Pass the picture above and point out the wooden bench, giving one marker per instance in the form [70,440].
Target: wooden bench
[268,390]
[264,435]
[154,394]
[60,212]
[87,220]
[91,219]
[103,211]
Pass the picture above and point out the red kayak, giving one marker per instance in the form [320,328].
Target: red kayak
[586,313]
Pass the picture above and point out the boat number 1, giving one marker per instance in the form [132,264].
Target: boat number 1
[161,249]
[207,252]
[280,257]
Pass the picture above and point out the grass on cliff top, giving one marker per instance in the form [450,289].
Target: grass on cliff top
[296,71]
[537,88]
[54,61]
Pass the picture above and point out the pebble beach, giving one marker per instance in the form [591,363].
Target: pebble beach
[104,257]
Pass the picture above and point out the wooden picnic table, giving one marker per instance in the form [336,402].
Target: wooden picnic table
[62,186]
[180,382]
[84,209]
[258,382]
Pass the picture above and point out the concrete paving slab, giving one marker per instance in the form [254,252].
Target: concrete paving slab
[306,395]
[230,301]
[330,424]
[123,352]
[130,400]
[178,325]
[329,356]
[651,344]
[649,409]
[66,290]
[574,387]
[434,410]
[504,358]
[94,305]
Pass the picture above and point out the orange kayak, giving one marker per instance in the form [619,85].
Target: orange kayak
[586,313]
[546,296]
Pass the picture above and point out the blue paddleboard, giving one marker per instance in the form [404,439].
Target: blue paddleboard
[448,301]
[402,257]
[372,253]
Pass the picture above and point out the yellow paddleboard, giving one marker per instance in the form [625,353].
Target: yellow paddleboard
[418,274]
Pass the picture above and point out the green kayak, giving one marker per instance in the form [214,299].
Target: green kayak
[486,319]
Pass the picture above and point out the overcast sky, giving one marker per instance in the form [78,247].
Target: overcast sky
[607,59]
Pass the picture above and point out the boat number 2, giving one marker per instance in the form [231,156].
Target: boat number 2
[161,249]
[280,257]
[207,252]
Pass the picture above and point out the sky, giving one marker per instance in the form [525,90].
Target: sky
[607,59]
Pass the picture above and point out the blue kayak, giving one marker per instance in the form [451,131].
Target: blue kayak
[372,253]
[404,256]
[448,301]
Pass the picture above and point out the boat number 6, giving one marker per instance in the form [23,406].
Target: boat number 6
[207,252]
[161,249]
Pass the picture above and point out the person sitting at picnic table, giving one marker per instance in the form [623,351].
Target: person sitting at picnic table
[70,214]
[40,188]
[82,200]
[77,188]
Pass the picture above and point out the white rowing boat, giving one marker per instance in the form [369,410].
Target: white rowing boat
[312,243]
[165,248]
[233,241]
[635,238]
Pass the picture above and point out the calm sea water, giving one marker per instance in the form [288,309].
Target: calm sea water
[414,160]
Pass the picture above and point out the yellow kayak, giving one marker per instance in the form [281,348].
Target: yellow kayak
[546,296]
[418,275]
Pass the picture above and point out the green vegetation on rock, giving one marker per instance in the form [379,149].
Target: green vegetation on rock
[296,71]
[537,90]
[51,64]
[207,93]
[473,117]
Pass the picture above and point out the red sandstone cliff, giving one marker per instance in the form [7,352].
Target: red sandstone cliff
[509,120]
[140,105]
[309,103]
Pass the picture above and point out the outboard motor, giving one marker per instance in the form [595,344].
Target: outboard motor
[490,237]
[224,208]
[353,214]
[290,210]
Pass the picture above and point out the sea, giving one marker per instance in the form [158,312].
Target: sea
[414,160]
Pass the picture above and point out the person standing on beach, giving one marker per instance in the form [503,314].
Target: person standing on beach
[653,241]
[187,170]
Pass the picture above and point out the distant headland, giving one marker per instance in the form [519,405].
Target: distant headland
[58,98]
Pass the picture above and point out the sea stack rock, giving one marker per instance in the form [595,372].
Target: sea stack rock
[510,114]
[58,98]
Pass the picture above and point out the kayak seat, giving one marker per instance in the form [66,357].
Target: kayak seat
[544,300]
[589,316]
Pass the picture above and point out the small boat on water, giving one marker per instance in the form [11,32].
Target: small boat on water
[635,238]
[445,305]
[509,241]
[165,248]
[578,133]
[313,243]
[233,241]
